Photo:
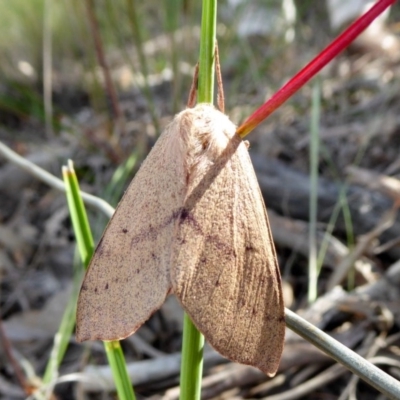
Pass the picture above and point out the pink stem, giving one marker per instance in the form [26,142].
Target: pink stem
[312,68]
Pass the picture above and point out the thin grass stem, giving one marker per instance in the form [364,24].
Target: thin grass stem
[193,340]
[98,44]
[136,28]
[313,206]
[85,243]
[339,352]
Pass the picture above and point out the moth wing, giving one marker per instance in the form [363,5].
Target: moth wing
[224,268]
[129,275]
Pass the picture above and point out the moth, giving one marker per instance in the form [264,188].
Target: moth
[192,223]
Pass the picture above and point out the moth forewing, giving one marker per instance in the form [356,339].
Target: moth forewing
[129,275]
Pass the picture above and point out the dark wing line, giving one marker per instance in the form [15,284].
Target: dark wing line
[153,231]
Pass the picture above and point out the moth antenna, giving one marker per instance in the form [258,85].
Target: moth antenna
[220,95]
[193,89]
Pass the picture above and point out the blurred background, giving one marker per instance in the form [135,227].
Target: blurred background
[97,81]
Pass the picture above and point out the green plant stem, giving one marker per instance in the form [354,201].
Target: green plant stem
[85,242]
[207,47]
[172,24]
[47,67]
[117,363]
[85,246]
[193,340]
[192,361]
[78,214]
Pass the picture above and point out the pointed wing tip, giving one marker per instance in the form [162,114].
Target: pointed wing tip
[270,374]
[269,369]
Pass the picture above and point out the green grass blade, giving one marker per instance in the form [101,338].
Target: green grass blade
[115,188]
[192,361]
[172,9]
[193,340]
[85,246]
[117,363]
[80,222]
[314,158]
[62,337]
[136,26]
[207,47]
[85,242]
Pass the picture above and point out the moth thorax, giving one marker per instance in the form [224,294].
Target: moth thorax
[207,136]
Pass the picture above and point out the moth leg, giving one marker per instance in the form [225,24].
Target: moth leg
[220,95]
[193,89]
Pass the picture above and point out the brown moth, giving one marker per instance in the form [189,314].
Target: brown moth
[192,223]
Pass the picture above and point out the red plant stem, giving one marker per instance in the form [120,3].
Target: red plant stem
[312,68]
